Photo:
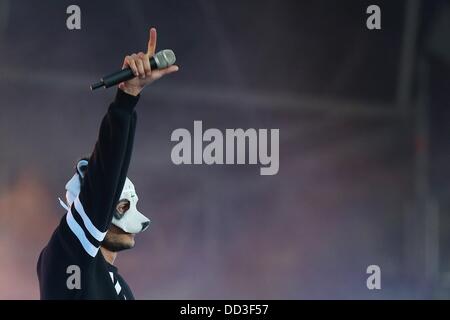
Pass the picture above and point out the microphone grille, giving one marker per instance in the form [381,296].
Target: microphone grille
[165,58]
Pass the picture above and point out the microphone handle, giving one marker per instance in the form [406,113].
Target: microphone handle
[120,76]
[117,77]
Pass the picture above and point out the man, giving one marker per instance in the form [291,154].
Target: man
[101,217]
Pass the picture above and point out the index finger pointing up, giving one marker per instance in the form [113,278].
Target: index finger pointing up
[151,42]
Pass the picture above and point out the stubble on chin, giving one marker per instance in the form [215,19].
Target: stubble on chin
[116,243]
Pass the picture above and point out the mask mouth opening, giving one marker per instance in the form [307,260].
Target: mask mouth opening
[119,230]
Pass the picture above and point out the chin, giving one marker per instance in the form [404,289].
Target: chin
[118,243]
[130,243]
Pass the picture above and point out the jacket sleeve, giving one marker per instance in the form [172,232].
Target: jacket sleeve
[91,213]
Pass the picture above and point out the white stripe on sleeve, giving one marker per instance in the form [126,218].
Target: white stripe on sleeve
[79,233]
[97,234]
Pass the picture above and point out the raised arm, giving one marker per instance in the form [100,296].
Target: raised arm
[92,211]
[108,165]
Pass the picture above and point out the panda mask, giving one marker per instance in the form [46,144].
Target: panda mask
[132,221]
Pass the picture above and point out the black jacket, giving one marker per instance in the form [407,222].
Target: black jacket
[76,240]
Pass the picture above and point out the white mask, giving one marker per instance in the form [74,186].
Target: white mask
[132,221]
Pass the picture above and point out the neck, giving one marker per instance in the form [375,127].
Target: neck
[108,255]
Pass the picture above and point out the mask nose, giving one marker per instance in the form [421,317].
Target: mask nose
[145,225]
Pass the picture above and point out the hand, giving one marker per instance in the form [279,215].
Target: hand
[140,65]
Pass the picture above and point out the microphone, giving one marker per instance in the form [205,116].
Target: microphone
[160,60]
